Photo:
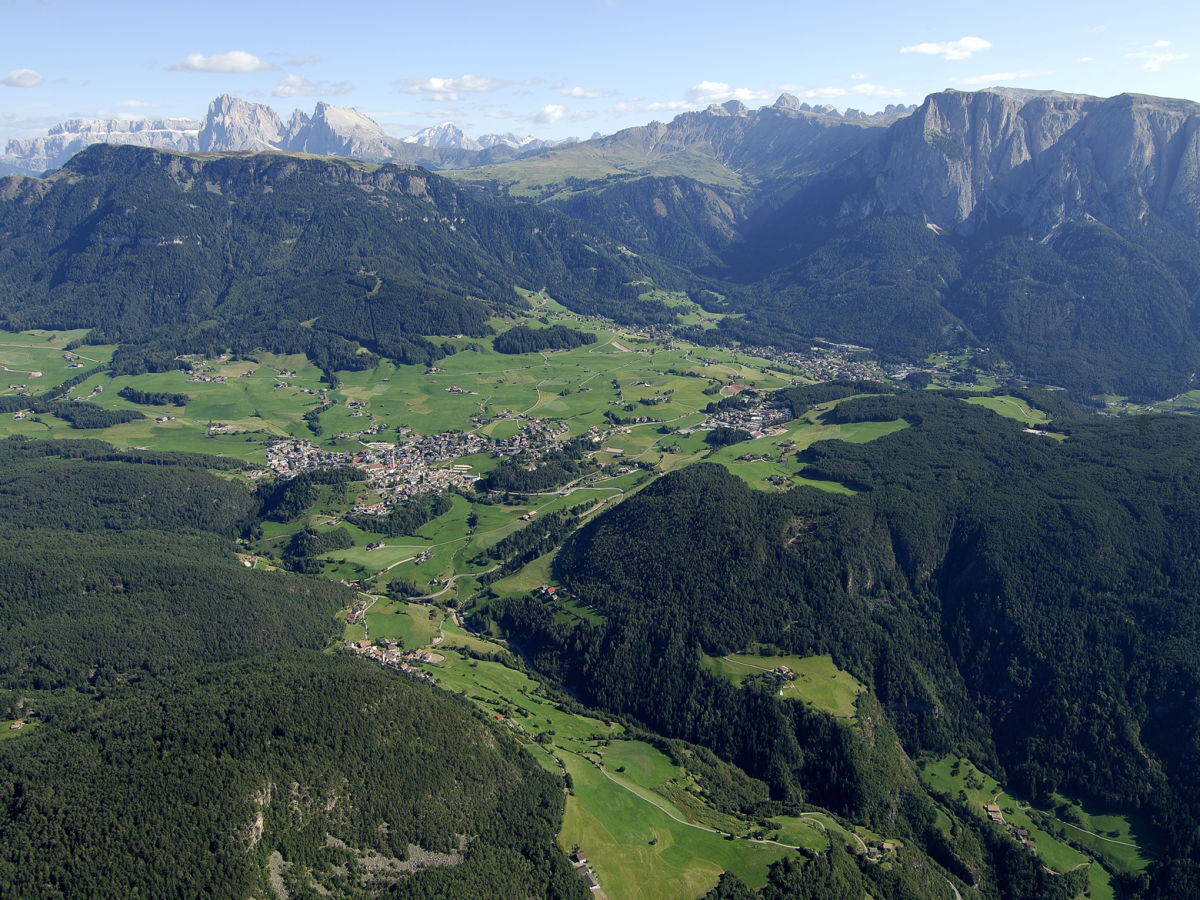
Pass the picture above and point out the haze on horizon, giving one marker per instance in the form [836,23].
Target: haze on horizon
[556,70]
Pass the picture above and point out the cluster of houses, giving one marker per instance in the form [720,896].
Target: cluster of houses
[824,363]
[388,653]
[584,869]
[995,814]
[414,464]
[759,418]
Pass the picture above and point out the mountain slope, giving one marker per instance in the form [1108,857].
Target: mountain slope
[726,146]
[148,247]
[313,772]
[1021,601]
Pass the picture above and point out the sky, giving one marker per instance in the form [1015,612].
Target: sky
[568,67]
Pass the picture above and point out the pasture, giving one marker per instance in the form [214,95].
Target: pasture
[640,842]
[1066,836]
[1012,408]
[816,682]
[773,463]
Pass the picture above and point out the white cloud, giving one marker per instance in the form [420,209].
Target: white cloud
[548,114]
[134,104]
[1154,59]
[661,106]
[866,89]
[444,89]
[1087,59]
[304,60]
[996,78]
[638,106]
[960,49]
[862,89]
[235,62]
[583,93]
[295,86]
[859,76]
[719,92]
[23,78]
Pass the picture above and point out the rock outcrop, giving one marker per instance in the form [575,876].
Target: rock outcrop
[964,160]
[234,124]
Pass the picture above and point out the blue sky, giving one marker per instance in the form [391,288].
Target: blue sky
[570,67]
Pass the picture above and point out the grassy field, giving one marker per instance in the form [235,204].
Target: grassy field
[1012,408]
[780,450]
[1125,841]
[1067,836]
[818,682]
[640,841]
[638,851]
[960,778]
[547,175]
[7,732]
[413,623]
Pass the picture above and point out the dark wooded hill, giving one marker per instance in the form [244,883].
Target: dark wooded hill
[1027,603]
[167,253]
[183,730]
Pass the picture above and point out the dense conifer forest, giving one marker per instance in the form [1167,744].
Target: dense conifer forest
[1026,602]
[188,784]
[187,739]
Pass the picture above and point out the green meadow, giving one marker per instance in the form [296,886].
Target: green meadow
[1066,836]
[774,466]
[415,624]
[1012,408]
[37,360]
[632,811]
[817,681]
[641,818]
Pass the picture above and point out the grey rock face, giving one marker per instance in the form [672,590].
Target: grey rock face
[64,140]
[1043,158]
[338,131]
[447,134]
[234,124]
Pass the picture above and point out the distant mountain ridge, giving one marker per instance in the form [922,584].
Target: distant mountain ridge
[235,125]
[64,140]
[1060,230]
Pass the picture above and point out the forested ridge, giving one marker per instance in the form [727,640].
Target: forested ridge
[186,784]
[1027,603]
[168,254]
[184,728]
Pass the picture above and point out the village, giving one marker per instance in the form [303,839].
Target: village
[415,464]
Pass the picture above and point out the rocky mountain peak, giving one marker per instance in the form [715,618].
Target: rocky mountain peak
[965,158]
[728,108]
[340,131]
[446,134]
[235,124]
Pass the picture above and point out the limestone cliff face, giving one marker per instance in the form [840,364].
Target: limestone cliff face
[338,131]
[234,124]
[64,140]
[963,160]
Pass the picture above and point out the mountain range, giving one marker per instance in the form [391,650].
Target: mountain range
[1062,231]
[1014,595]
[235,125]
